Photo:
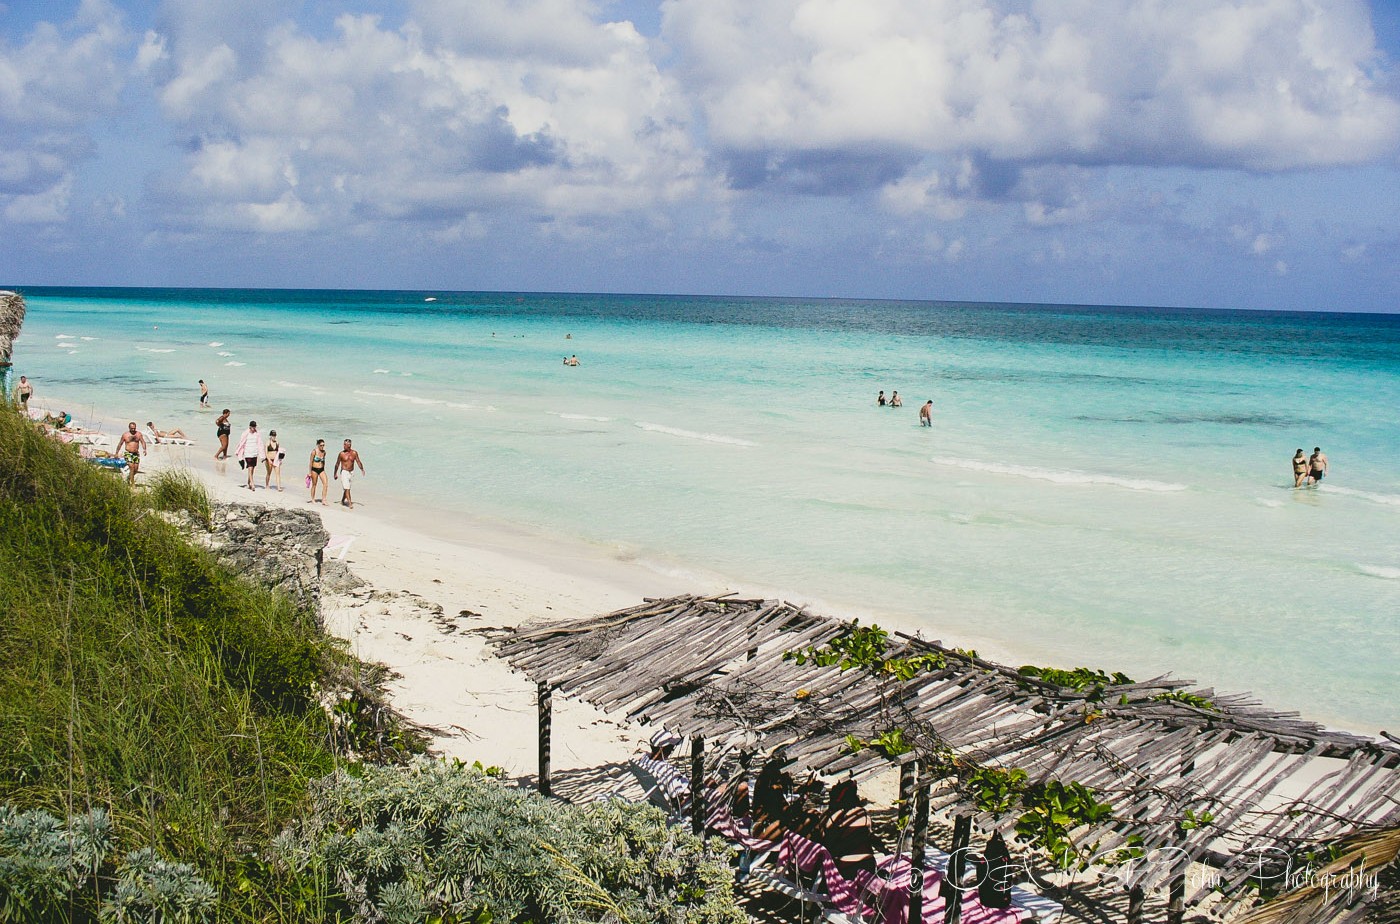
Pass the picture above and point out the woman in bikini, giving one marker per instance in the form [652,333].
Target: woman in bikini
[222,431]
[273,460]
[1300,469]
[317,475]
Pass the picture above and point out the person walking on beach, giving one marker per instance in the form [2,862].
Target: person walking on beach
[249,451]
[1317,465]
[1300,468]
[131,445]
[317,473]
[222,430]
[880,398]
[275,455]
[895,400]
[25,391]
[926,414]
[203,396]
[345,470]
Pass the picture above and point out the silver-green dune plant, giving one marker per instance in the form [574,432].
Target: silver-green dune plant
[444,841]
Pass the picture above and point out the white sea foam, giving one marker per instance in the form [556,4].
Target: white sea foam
[1268,502]
[216,343]
[692,435]
[381,372]
[426,402]
[234,364]
[1380,571]
[580,417]
[154,350]
[90,338]
[1061,476]
[1389,500]
[225,353]
[64,337]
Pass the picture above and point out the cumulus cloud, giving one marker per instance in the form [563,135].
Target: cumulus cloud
[54,84]
[531,108]
[1249,84]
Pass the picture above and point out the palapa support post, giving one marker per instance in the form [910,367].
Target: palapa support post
[908,777]
[1137,903]
[962,836]
[1176,899]
[918,852]
[545,696]
[698,802]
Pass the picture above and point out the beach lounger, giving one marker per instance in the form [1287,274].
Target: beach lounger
[168,440]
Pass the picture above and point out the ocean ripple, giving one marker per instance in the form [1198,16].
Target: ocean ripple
[692,435]
[1389,500]
[1058,476]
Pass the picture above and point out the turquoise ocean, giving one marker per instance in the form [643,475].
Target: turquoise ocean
[1107,487]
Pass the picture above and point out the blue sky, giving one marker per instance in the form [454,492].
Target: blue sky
[1217,153]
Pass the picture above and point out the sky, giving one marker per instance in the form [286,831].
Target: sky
[1205,153]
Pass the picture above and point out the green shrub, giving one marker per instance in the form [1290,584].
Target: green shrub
[446,840]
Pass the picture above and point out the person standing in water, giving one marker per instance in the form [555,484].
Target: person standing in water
[345,470]
[926,414]
[1317,465]
[317,473]
[880,398]
[25,391]
[895,400]
[131,445]
[222,430]
[1300,468]
[203,395]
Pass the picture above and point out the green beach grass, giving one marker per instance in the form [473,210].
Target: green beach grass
[141,677]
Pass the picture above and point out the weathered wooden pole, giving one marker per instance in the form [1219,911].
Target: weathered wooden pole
[698,802]
[918,853]
[908,776]
[1137,903]
[962,836]
[544,696]
[1176,899]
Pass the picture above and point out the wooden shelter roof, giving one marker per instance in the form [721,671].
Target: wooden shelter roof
[715,667]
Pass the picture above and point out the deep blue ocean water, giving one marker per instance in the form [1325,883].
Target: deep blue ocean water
[1101,486]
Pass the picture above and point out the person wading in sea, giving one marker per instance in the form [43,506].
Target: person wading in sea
[926,414]
[1300,468]
[1317,465]
[344,470]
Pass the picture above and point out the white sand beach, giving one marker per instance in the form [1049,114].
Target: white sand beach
[431,604]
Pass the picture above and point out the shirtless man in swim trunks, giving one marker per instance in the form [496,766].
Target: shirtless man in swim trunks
[344,470]
[926,414]
[131,444]
[1317,465]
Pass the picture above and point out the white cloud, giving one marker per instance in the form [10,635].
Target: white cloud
[1253,84]
[54,84]
[431,120]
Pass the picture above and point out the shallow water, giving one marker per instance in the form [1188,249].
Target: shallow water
[1101,486]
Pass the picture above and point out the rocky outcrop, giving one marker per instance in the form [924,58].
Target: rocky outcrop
[11,318]
[272,546]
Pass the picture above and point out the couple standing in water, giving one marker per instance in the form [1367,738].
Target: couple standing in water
[1309,469]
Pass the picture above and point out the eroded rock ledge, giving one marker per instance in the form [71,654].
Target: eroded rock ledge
[11,319]
[278,548]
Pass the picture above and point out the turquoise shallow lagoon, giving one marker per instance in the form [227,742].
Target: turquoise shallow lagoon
[1101,486]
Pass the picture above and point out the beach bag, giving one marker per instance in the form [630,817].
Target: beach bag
[308,481]
[242,463]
